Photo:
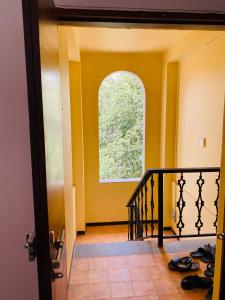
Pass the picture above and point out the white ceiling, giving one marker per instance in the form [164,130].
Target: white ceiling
[126,40]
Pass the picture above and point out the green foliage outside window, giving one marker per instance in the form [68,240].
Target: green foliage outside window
[121,117]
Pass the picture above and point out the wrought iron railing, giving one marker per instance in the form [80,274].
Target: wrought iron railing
[146,205]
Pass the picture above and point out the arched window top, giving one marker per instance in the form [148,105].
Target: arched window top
[120,75]
[121,127]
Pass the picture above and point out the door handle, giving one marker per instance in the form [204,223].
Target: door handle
[221,236]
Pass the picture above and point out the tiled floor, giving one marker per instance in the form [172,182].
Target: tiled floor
[144,277]
[103,234]
[106,234]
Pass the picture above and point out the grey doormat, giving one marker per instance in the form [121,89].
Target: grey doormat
[144,247]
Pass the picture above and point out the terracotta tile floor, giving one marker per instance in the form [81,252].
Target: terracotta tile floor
[137,277]
[103,234]
[106,234]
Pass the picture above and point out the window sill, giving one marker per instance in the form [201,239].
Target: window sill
[120,180]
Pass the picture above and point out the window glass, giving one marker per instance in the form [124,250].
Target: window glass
[121,127]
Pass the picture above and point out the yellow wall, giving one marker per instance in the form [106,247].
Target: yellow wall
[107,201]
[168,133]
[163,113]
[77,142]
[200,114]
[67,147]
[197,112]
[201,101]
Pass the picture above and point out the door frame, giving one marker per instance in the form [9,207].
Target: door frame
[93,17]
[142,18]
[37,142]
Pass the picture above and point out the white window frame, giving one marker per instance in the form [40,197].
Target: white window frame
[113,180]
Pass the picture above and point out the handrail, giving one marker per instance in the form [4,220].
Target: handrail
[149,172]
[143,213]
[141,183]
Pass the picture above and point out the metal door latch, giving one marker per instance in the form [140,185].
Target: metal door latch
[220,236]
[56,275]
[58,245]
[31,246]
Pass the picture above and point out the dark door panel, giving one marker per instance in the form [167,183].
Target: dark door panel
[42,57]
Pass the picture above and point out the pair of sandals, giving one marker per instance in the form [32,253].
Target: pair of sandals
[194,281]
[206,254]
[183,264]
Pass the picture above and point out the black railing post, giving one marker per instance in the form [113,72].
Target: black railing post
[160,210]
[139,235]
[131,223]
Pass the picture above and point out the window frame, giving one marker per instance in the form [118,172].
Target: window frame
[121,180]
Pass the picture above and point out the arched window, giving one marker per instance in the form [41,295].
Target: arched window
[121,127]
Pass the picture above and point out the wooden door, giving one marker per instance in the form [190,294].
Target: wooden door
[45,110]
[219,277]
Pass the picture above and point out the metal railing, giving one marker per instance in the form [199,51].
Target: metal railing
[146,206]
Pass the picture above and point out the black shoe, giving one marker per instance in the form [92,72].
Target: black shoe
[194,281]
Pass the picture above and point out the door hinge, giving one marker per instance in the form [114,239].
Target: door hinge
[31,246]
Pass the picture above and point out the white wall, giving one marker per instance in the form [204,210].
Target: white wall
[173,5]
[18,277]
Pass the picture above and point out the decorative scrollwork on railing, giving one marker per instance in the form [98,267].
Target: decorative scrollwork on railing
[199,203]
[138,215]
[130,223]
[217,199]
[181,203]
[146,209]
[142,212]
[152,204]
[141,206]
[135,217]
